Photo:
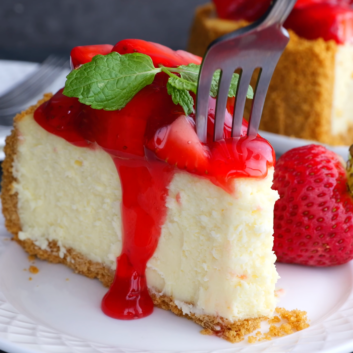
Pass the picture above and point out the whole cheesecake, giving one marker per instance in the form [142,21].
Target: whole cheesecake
[310,92]
[131,197]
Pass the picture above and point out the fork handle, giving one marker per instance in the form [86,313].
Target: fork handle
[276,14]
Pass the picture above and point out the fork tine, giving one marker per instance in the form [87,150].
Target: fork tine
[37,76]
[243,84]
[261,88]
[222,97]
[23,89]
[49,61]
[39,85]
[22,100]
[23,95]
[203,92]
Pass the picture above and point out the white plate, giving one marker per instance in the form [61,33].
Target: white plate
[54,315]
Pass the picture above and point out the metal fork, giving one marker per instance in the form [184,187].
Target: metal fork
[258,45]
[18,97]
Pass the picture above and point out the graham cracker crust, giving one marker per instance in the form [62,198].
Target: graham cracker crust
[299,99]
[231,331]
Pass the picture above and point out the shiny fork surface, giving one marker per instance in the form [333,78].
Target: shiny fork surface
[259,45]
[17,98]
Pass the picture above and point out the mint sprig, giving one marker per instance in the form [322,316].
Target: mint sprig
[191,73]
[110,81]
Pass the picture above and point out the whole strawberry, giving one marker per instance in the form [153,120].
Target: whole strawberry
[313,219]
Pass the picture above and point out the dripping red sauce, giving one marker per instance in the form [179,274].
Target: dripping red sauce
[149,140]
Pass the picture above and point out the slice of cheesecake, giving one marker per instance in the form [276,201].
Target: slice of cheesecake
[309,94]
[70,197]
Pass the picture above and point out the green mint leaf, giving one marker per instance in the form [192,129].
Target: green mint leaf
[110,81]
[182,97]
[189,72]
[180,83]
[250,93]
[214,83]
[233,86]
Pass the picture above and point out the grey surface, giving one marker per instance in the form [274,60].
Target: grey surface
[33,29]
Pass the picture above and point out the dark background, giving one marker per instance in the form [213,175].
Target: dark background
[33,29]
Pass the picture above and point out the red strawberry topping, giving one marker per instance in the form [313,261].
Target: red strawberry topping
[313,219]
[84,54]
[179,145]
[160,54]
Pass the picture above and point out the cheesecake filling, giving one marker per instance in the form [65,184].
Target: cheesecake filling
[342,103]
[214,254]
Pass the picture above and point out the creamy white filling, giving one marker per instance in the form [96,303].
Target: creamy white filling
[214,255]
[342,107]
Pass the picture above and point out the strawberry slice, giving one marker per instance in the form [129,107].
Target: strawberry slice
[124,130]
[178,145]
[160,54]
[84,54]
[189,58]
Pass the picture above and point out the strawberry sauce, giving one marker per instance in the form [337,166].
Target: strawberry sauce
[143,213]
[149,140]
